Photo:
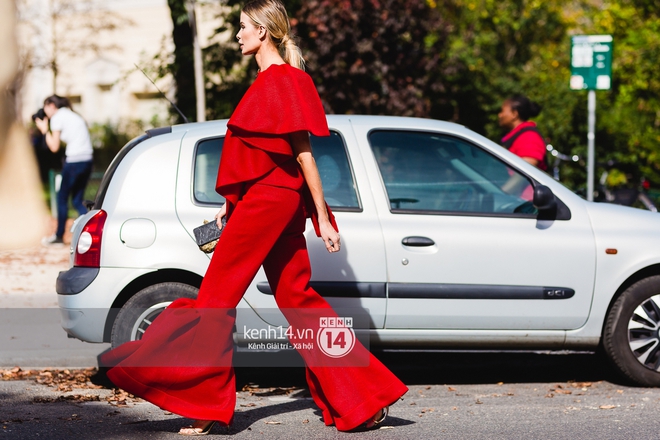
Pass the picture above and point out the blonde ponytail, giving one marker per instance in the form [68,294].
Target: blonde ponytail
[291,52]
[272,15]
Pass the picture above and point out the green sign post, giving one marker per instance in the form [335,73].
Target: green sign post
[591,69]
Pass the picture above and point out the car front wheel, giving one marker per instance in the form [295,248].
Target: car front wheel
[140,311]
[631,338]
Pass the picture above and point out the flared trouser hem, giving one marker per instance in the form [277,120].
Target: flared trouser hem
[172,402]
[266,228]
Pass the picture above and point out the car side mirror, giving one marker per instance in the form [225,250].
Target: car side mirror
[544,199]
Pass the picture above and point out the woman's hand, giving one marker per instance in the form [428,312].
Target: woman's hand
[42,125]
[330,237]
[220,214]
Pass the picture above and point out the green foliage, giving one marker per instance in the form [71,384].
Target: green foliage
[228,72]
[374,56]
[108,139]
[629,115]
[495,48]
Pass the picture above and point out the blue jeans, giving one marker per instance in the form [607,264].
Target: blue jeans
[75,176]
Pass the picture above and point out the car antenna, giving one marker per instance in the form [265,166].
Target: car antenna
[161,92]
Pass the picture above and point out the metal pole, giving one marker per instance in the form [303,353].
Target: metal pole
[200,96]
[591,149]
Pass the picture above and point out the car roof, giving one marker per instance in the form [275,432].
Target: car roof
[376,121]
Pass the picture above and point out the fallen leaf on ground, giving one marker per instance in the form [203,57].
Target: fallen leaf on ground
[562,391]
[451,389]
[121,398]
[63,380]
[273,391]
[67,398]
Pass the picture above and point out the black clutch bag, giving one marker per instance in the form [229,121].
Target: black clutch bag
[208,234]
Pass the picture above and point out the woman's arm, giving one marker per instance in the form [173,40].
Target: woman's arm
[531,160]
[52,138]
[302,150]
[515,184]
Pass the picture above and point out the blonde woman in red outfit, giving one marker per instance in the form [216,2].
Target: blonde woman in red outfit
[270,181]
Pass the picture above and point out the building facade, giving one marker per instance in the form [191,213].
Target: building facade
[89,50]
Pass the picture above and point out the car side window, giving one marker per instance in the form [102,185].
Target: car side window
[331,159]
[431,172]
[207,160]
[336,173]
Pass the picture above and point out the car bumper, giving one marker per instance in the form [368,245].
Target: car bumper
[86,296]
[75,280]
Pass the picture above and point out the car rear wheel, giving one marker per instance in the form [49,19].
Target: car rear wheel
[631,338]
[140,311]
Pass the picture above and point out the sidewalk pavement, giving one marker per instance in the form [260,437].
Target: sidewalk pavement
[30,331]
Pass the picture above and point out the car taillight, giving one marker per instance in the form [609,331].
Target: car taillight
[88,250]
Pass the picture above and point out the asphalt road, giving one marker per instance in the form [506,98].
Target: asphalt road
[452,396]
[467,395]
[34,338]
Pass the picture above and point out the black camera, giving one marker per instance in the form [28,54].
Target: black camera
[40,114]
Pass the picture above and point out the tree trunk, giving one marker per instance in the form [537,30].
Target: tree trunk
[182,67]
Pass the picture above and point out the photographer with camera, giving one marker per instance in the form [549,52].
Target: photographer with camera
[68,127]
[46,159]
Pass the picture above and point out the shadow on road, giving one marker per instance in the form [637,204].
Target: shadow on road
[433,368]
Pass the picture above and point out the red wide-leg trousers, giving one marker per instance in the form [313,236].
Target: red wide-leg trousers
[183,362]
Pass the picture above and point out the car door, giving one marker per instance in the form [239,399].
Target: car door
[353,279]
[464,253]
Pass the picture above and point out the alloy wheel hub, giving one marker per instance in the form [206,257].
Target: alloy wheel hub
[644,333]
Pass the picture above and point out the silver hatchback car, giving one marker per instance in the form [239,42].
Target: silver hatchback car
[449,241]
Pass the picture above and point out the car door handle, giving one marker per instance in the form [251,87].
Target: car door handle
[417,241]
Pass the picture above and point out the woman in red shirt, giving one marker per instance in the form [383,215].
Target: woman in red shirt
[270,181]
[523,138]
